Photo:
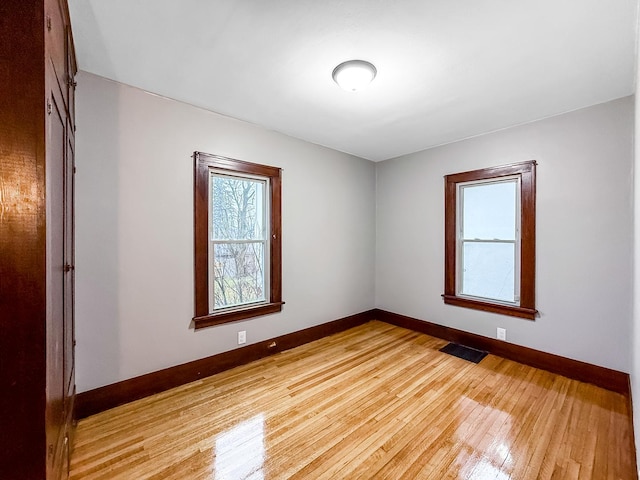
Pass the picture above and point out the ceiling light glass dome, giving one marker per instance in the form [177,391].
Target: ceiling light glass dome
[354,75]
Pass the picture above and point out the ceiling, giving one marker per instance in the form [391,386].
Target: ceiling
[447,69]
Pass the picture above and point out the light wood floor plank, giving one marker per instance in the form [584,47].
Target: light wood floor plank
[376,401]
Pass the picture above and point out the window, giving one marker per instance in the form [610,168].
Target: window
[490,239]
[237,240]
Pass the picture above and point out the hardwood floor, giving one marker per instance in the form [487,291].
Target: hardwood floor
[376,401]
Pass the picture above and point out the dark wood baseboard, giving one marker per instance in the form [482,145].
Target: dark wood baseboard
[103,398]
[585,372]
[633,433]
[110,396]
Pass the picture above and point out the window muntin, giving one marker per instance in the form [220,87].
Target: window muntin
[488,233]
[218,244]
[238,240]
[488,229]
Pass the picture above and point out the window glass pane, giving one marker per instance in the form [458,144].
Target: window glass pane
[237,208]
[489,270]
[489,211]
[238,273]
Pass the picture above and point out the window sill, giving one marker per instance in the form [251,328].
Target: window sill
[236,314]
[522,312]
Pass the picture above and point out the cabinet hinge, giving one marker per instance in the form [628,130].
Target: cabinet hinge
[50,450]
[49,107]
[75,169]
[71,82]
[48,23]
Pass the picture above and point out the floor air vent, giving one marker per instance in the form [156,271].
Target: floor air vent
[466,353]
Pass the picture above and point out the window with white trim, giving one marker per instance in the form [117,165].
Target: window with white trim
[488,239]
[238,249]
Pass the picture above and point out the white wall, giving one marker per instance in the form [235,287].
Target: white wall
[134,231]
[134,240]
[584,233]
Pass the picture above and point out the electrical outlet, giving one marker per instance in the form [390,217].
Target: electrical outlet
[502,333]
[242,337]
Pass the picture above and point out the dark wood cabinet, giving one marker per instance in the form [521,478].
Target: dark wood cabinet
[37,124]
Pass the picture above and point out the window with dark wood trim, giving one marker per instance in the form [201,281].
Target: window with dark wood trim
[520,302]
[208,310]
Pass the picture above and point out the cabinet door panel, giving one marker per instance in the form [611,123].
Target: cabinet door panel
[55,391]
[56,38]
[70,75]
[69,254]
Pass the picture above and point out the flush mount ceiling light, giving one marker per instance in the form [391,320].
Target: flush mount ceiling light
[354,75]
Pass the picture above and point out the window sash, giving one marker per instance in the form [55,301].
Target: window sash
[461,240]
[262,240]
[212,276]
[263,200]
[462,288]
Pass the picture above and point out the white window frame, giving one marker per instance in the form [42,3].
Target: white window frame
[460,241]
[266,227]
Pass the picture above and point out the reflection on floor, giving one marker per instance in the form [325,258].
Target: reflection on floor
[239,451]
[376,401]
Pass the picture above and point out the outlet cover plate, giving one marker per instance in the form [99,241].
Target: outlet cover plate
[502,333]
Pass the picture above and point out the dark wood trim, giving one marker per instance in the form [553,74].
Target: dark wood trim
[527,173]
[234,165]
[449,239]
[109,396]
[34,236]
[203,162]
[24,77]
[632,440]
[528,237]
[200,237]
[513,311]
[236,314]
[276,236]
[491,172]
[585,372]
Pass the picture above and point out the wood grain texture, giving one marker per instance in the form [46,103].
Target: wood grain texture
[33,125]
[109,396]
[585,372]
[22,241]
[103,398]
[375,401]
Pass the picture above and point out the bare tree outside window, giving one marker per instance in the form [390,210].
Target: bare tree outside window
[238,240]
